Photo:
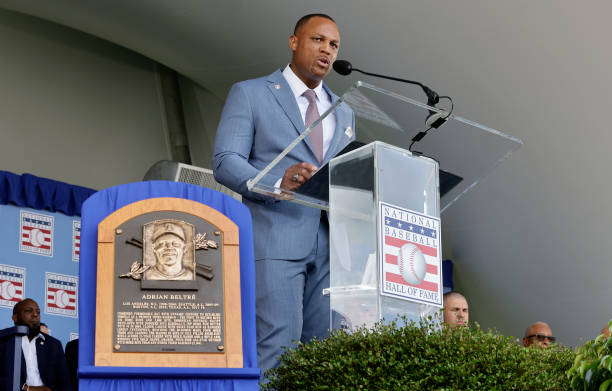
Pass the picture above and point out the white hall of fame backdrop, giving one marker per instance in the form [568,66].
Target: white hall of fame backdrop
[39,259]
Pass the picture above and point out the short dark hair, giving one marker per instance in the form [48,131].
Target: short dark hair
[304,19]
[450,294]
[18,306]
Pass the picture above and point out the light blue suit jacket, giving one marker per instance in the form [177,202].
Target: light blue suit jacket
[260,118]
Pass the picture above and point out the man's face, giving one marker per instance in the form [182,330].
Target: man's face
[315,47]
[540,335]
[456,311]
[28,315]
[169,249]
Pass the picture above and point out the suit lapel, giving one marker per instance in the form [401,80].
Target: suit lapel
[281,91]
[41,357]
[284,97]
[24,370]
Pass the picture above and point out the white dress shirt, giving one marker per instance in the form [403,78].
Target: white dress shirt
[323,103]
[29,354]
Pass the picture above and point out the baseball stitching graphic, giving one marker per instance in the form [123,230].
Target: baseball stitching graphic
[412,264]
[7,290]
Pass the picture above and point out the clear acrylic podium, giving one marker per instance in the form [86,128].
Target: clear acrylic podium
[380,194]
[360,249]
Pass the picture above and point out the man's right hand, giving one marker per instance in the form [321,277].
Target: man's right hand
[296,175]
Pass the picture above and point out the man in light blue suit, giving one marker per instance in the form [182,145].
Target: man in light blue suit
[260,119]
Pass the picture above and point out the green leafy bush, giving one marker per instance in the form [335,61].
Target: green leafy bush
[420,357]
[592,369]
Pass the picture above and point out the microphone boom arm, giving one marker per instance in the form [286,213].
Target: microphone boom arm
[432,96]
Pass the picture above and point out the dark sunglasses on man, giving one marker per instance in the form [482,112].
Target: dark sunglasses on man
[542,337]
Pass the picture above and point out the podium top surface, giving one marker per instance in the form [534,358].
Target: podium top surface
[465,150]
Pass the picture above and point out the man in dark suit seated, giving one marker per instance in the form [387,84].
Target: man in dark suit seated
[43,365]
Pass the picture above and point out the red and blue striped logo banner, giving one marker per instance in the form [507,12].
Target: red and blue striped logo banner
[36,233]
[62,294]
[12,285]
[76,240]
[401,227]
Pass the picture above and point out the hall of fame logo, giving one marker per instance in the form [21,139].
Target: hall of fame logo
[410,255]
[76,240]
[36,233]
[12,285]
[62,294]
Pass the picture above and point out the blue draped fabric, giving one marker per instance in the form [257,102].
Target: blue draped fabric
[102,204]
[447,275]
[41,193]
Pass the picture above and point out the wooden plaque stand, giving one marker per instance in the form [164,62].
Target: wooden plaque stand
[231,356]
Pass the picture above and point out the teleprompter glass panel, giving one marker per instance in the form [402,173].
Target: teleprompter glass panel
[465,150]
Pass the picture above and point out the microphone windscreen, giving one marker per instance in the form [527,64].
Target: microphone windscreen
[343,67]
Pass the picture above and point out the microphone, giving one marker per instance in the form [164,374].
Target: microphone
[433,121]
[343,67]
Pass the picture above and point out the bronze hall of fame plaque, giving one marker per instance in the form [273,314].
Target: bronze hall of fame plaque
[168,288]
[170,293]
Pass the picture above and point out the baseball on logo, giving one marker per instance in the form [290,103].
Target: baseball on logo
[7,290]
[37,238]
[61,298]
[412,264]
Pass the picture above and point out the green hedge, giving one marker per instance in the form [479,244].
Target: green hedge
[421,357]
[592,369]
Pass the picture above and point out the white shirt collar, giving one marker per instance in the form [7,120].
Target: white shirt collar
[297,85]
[40,335]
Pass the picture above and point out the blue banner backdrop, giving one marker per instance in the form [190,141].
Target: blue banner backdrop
[95,209]
[39,249]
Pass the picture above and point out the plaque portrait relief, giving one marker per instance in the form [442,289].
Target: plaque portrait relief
[168,250]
